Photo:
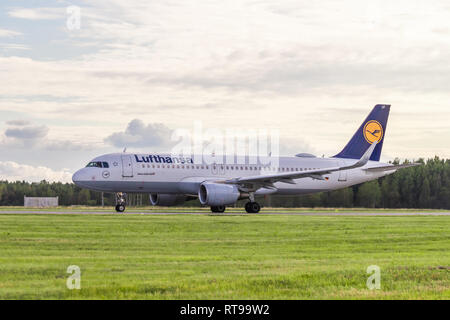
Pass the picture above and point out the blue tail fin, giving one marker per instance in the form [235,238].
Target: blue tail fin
[373,129]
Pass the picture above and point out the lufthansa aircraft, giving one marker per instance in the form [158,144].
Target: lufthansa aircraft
[173,180]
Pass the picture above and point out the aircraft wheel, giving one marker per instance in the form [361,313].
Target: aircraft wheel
[218,209]
[120,208]
[252,207]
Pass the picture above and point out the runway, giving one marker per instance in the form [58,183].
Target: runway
[343,213]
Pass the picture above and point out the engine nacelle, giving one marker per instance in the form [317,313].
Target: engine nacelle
[217,194]
[167,200]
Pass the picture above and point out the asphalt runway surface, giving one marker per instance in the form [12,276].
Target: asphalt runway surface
[340,213]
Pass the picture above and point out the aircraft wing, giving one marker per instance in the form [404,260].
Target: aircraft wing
[392,167]
[287,177]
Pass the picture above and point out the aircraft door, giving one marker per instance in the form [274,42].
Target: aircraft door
[343,173]
[127,166]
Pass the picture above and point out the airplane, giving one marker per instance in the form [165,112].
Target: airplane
[171,181]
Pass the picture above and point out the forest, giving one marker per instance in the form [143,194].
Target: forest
[426,186]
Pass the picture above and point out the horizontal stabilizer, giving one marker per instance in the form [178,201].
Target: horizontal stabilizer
[393,167]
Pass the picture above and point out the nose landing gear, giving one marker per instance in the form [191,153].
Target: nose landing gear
[120,201]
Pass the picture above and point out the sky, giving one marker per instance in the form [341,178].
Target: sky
[83,78]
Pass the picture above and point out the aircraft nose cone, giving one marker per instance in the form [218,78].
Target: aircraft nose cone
[78,177]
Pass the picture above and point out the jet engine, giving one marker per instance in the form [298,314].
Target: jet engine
[217,194]
[167,200]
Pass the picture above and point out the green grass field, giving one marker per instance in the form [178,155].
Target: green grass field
[110,209]
[223,257]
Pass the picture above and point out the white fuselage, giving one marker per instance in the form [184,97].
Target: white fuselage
[140,173]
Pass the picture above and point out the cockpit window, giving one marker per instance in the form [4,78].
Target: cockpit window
[96,164]
[105,164]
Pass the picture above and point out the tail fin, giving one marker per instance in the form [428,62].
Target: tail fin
[373,129]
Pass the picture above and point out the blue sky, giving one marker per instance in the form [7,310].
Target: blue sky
[311,69]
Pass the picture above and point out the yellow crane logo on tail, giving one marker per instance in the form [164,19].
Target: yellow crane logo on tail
[373,131]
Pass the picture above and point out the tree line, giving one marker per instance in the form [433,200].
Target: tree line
[426,186]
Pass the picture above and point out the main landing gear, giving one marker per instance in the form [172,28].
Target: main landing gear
[252,206]
[120,201]
[218,209]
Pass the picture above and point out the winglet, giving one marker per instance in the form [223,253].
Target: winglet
[364,159]
[368,154]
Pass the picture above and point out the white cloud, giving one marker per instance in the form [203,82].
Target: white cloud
[23,135]
[37,13]
[13,46]
[13,171]
[4,33]
[280,64]
[18,122]
[27,132]
[138,134]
